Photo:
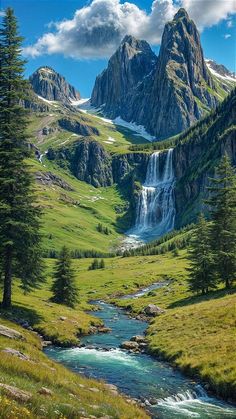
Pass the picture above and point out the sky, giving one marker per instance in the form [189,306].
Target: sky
[77,37]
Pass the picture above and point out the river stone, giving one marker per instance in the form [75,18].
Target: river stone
[153,310]
[10,333]
[129,345]
[138,339]
[104,329]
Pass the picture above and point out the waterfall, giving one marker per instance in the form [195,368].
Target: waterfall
[155,213]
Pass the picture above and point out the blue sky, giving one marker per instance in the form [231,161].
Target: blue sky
[217,36]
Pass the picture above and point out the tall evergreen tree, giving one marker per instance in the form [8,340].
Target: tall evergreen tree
[202,276]
[222,203]
[20,253]
[64,288]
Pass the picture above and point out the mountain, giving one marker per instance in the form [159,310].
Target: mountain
[220,71]
[132,62]
[50,85]
[175,91]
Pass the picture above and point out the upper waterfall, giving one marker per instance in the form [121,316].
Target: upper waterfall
[155,213]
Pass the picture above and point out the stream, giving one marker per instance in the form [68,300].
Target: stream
[165,391]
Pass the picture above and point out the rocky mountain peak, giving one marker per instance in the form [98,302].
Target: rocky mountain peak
[167,94]
[50,85]
[181,14]
[127,67]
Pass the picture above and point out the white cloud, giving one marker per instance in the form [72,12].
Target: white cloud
[227,35]
[2,13]
[96,29]
[206,13]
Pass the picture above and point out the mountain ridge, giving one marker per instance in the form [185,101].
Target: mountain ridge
[178,91]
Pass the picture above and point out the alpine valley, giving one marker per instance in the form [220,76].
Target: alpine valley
[121,179]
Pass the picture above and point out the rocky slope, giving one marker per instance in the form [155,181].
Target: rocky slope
[51,86]
[166,98]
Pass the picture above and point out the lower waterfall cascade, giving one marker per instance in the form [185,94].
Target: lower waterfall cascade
[155,213]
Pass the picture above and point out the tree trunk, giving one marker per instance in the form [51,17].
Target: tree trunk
[227,283]
[6,302]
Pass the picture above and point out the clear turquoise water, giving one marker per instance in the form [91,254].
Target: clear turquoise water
[139,375]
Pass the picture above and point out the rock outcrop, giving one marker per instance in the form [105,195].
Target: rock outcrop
[50,85]
[10,333]
[77,127]
[172,93]
[16,393]
[50,179]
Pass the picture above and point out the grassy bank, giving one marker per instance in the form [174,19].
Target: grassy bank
[41,388]
[200,339]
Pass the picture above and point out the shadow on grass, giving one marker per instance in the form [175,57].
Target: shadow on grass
[195,299]
[21,314]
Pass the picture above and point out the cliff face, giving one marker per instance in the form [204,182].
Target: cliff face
[165,95]
[89,161]
[50,85]
[181,83]
[131,63]
[197,153]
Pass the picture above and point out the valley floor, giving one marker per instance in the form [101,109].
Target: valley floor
[195,334]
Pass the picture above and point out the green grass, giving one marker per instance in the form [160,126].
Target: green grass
[122,137]
[195,333]
[200,339]
[72,217]
[72,396]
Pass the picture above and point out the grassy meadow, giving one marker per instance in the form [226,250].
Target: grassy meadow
[195,333]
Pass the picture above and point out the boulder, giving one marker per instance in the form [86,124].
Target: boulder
[45,391]
[94,389]
[138,339]
[14,352]
[129,345]
[10,333]
[15,393]
[104,329]
[153,310]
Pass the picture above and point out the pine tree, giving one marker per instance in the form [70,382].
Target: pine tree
[102,264]
[202,276]
[222,203]
[64,288]
[20,253]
